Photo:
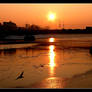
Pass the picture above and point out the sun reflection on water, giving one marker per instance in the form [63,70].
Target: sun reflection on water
[51,39]
[52,59]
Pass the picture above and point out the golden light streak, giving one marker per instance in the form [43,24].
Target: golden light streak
[52,59]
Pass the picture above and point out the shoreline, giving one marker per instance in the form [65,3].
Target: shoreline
[16,46]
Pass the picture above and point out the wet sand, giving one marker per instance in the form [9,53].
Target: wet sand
[83,80]
[51,82]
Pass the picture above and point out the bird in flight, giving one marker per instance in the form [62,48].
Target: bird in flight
[20,76]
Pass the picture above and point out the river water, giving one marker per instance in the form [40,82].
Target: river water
[49,63]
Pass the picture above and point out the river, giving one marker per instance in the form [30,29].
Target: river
[53,62]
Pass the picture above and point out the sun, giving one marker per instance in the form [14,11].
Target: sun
[51,16]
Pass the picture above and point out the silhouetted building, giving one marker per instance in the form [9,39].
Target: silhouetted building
[0,24]
[27,26]
[88,28]
[9,25]
[35,27]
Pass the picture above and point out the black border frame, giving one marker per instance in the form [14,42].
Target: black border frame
[46,2]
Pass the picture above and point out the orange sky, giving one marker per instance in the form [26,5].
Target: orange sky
[73,15]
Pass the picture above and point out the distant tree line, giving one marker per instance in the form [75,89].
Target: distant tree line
[10,28]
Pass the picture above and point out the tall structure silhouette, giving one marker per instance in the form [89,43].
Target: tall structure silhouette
[59,25]
[63,24]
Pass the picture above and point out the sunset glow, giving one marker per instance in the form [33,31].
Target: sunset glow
[73,15]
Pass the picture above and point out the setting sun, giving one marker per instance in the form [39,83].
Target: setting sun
[51,16]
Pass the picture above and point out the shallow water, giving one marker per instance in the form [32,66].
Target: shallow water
[45,66]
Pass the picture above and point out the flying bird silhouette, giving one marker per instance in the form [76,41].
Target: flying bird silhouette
[20,76]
